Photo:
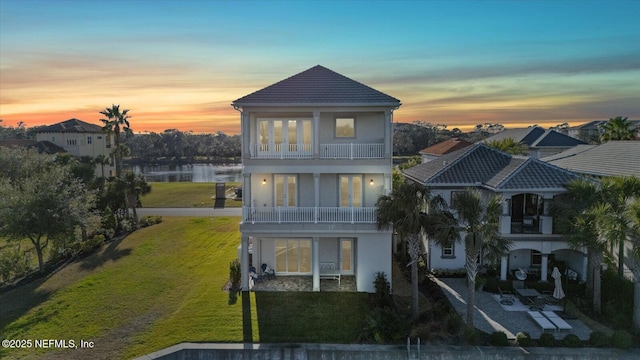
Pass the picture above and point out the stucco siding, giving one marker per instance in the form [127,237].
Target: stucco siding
[373,255]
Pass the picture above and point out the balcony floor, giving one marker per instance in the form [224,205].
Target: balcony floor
[305,283]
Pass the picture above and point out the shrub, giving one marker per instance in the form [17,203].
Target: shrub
[471,336]
[498,338]
[598,339]
[523,339]
[235,274]
[547,340]
[572,341]
[383,290]
[385,326]
[621,339]
[452,323]
[109,221]
[13,263]
[150,220]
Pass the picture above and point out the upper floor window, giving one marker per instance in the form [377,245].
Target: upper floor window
[448,251]
[454,196]
[88,139]
[71,142]
[345,127]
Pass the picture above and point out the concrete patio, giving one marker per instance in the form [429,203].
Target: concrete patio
[490,316]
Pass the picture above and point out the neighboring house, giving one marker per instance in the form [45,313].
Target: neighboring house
[45,147]
[81,139]
[613,158]
[433,152]
[539,141]
[592,129]
[317,154]
[526,185]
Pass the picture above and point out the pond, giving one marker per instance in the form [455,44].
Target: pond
[190,173]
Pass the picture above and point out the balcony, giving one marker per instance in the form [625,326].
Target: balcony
[327,151]
[312,215]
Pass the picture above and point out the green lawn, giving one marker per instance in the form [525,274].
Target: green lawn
[186,194]
[162,285]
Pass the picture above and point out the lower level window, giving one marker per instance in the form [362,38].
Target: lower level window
[448,251]
[293,255]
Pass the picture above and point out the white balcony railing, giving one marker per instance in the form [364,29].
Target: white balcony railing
[352,151]
[327,151]
[282,151]
[278,215]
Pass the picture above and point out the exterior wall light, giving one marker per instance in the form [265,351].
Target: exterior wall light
[264,181]
[371,182]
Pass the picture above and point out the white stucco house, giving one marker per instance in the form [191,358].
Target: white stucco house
[316,155]
[526,186]
[81,138]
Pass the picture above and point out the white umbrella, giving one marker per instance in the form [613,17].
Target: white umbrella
[558,293]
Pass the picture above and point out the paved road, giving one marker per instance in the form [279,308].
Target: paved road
[199,212]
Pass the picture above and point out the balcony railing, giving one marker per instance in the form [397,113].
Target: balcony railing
[278,215]
[282,151]
[352,151]
[327,151]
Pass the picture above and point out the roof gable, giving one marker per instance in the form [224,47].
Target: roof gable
[317,86]
[535,174]
[72,126]
[445,147]
[524,135]
[556,139]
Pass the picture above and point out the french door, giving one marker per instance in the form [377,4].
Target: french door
[286,191]
[350,190]
[284,136]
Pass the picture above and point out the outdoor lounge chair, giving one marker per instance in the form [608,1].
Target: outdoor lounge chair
[268,272]
[506,297]
[536,304]
[542,321]
[557,320]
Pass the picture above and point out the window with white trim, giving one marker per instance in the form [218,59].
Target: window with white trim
[345,128]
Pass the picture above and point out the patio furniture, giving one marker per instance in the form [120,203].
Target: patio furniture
[548,297]
[517,284]
[268,272]
[537,303]
[525,294]
[557,320]
[328,271]
[542,321]
[506,297]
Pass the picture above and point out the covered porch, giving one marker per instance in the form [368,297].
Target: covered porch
[305,283]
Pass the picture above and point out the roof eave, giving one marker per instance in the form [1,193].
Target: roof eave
[293,104]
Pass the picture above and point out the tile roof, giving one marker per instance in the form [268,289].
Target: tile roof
[72,126]
[613,158]
[317,86]
[482,165]
[42,146]
[524,135]
[446,147]
[553,138]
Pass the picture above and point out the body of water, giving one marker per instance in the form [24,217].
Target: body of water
[190,173]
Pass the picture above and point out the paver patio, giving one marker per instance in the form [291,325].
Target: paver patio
[489,315]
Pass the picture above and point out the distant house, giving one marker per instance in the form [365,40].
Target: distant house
[317,154]
[526,185]
[539,141]
[592,129]
[435,151]
[81,139]
[613,158]
[45,147]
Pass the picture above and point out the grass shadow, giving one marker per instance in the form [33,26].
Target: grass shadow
[247,331]
[111,253]
[21,299]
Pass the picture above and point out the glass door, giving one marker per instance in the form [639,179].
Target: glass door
[346,256]
[285,191]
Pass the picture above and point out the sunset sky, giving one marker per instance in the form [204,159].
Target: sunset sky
[179,64]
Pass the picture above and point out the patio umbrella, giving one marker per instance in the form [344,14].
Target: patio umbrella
[558,293]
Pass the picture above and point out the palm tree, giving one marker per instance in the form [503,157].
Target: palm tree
[618,128]
[477,223]
[116,122]
[404,211]
[510,146]
[102,160]
[133,186]
[633,214]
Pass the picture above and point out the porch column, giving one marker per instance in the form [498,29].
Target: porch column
[245,119]
[316,188]
[316,127]
[316,263]
[387,184]
[503,268]
[585,263]
[244,263]
[388,133]
[543,267]
[246,189]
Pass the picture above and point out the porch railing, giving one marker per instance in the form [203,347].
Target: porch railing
[327,151]
[316,215]
[282,151]
[351,151]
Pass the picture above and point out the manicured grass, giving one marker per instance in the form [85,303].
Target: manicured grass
[163,285]
[186,194]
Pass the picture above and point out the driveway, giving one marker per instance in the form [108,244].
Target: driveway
[196,212]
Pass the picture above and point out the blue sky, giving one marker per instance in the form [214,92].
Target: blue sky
[179,64]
